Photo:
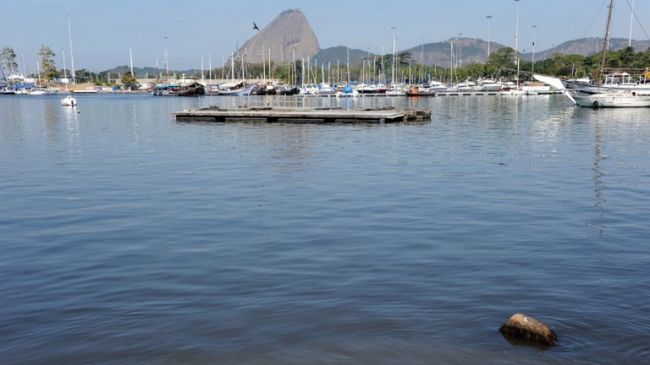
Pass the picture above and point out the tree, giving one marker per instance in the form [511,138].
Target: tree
[129,81]
[48,67]
[501,62]
[8,61]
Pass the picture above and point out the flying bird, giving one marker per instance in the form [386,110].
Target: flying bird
[255,27]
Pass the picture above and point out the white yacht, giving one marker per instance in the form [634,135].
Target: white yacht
[488,85]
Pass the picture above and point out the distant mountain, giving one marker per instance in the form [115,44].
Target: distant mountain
[151,72]
[471,50]
[340,53]
[588,47]
[138,71]
[288,33]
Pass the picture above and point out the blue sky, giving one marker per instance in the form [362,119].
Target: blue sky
[103,30]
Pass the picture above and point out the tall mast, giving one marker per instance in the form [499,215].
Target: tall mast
[421,59]
[451,60]
[393,68]
[302,76]
[243,75]
[210,66]
[131,61]
[488,17]
[629,37]
[606,41]
[232,66]
[517,41]
[65,73]
[329,72]
[166,59]
[74,78]
[348,48]
[202,70]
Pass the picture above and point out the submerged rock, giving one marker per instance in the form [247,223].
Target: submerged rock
[523,327]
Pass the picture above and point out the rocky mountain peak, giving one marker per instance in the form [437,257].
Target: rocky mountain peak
[289,32]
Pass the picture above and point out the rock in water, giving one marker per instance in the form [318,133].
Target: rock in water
[523,327]
[287,33]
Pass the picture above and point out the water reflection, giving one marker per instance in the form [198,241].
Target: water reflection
[71,116]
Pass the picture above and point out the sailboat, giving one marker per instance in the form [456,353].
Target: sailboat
[68,100]
[607,97]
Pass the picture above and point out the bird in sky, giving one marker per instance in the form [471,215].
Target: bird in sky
[255,27]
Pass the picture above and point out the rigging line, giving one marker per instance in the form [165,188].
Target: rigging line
[571,18]
[637,19]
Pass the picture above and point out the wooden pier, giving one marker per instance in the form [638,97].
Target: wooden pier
[303,115]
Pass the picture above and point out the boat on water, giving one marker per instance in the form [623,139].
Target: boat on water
[612,81]
[465,86]
[612,99]
[437,86]
[69,101]
[420,90]
[395,90]
[347,91]
[619,92]
[42,91]
[242,91]
[378,88]
[287,90]
[488,85]
[180,88]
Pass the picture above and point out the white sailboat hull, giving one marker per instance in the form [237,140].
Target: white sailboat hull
[612,100]
[69,101]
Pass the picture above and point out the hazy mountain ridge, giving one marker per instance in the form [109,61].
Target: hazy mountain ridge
[340,53]
[588,47]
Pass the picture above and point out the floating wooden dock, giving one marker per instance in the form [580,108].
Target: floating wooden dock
[303,115]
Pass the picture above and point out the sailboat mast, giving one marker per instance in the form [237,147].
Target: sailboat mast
[202,70]
[629,37]
[451,60]
[131,61]
[302,75]
[517,41]
[74,78]
[393,65]
[243,75]
[65,73]
[606,41]
[348,65]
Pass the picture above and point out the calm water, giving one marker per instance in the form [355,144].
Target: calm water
[128,238]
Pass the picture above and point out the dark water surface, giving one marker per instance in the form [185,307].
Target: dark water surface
[128,238]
